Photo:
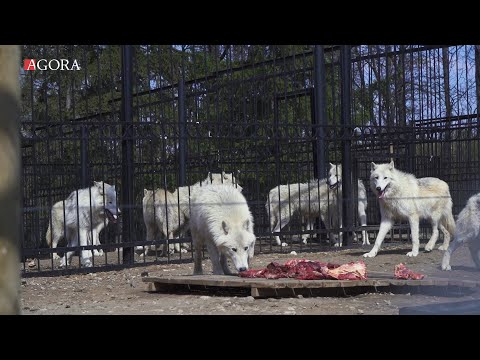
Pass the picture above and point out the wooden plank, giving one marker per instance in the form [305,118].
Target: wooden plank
[293,286]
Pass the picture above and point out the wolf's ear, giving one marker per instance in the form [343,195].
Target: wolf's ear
[332,165]
[246,224]
[145,192]
[225,227]
[391,165]
[373,166]
[99,185]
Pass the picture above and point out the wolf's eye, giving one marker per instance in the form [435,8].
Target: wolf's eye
[376,177]
[385,178]
[246,248]
[234,249]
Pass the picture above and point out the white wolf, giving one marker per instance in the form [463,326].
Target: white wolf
[318,198]
[467,231]
[335,182]
[166,213]
[57,221]
[80,217]
[403,196]
[221,219]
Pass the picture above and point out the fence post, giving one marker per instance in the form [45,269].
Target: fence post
[346,124]
[320,112]
[182,129]
[10,191]
[84,159]
[126,117]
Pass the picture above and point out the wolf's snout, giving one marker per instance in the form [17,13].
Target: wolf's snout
[242,269]
[379,188]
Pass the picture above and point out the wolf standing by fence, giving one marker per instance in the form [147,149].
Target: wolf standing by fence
[318,198]
[10,192]
[403,196]
[81,216]
[335,182]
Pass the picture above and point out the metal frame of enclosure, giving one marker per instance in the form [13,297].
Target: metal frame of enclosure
[165,116]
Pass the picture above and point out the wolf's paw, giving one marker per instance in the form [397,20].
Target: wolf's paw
[284,244]
[428,248]
[366,243]
[370,254]
[443,247]
[305,241]
[98,252]
[64,262]
[184,251]
[56,257]
[337,244]
[446,267]
[412,253]
[87,262]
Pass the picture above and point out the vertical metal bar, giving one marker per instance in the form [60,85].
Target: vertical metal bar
[126,118]
[84,158]
[182,125]
[346,124]
[320,111]
[276,134]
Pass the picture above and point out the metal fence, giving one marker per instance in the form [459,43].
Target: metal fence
[149,117]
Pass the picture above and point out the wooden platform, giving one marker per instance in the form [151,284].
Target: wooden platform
[292,287]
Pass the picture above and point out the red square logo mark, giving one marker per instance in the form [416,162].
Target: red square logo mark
[29,64]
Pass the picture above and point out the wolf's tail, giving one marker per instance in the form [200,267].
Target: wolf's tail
[48,235]
[447,220]
[271,215]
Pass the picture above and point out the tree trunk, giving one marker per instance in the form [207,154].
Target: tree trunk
[448,104]
[477,76]
[10,192]
[446,82]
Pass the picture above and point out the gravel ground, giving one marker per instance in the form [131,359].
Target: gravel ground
[123,292]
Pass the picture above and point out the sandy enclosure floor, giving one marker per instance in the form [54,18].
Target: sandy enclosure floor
[123,292]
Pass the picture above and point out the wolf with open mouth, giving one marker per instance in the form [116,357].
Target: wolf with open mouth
[80,218]
[402,196]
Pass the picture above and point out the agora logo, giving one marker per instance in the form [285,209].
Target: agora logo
[52,64]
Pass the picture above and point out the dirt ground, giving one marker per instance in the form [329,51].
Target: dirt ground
[123,292]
